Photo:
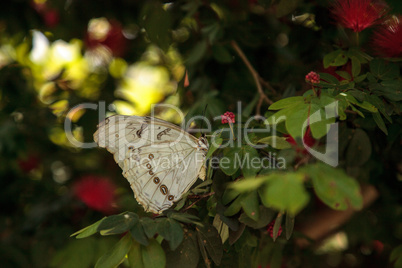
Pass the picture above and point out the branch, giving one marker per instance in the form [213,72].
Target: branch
[199,198]
[257,78]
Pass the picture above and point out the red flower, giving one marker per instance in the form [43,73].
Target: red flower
[358,14]
[270,229]
[387,40]
[228,117]
[313,77]
[96,192]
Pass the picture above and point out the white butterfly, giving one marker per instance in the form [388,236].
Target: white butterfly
[160,160]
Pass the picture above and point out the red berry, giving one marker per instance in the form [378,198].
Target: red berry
[313,77]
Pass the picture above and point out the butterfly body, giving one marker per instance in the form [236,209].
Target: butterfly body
[160,160]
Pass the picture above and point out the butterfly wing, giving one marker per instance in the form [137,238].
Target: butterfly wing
[159,159]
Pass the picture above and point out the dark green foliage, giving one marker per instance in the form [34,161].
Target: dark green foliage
[246,57]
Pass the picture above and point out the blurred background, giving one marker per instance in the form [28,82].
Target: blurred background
[57,55]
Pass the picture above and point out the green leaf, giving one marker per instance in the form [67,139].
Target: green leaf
[283,114]
[117,224]
[380,123]
[277,225]
[171,230]
[186,218]
[344,75]
[153,255]
[320,127]
[197,53]
[187,255]
[276,142]
[150,226]
[138,233]
[215,143]
[229,195]
[334,187]
[88,231]
[289,225]
[221,54]
[250,161]
[384,70]
[134,256]
[229,164]
[329,78]
[356,66]
[396,253]
[359,149]
[285,192]
[296,120]
[235,235]
[117,255]
[84,252]
[285,7]
[285,103]
[210,239]
[235,207]
[157,24]
[335,58]
[266,216]
[248,184]
[250,205]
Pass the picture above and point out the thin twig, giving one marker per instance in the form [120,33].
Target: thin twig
[255,75]
[200,197]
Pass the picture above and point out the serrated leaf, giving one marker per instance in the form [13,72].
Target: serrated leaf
[276,142]
[88,231]
[287,102]
[117,255]
[117,224]
[210,239]
[334,187]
